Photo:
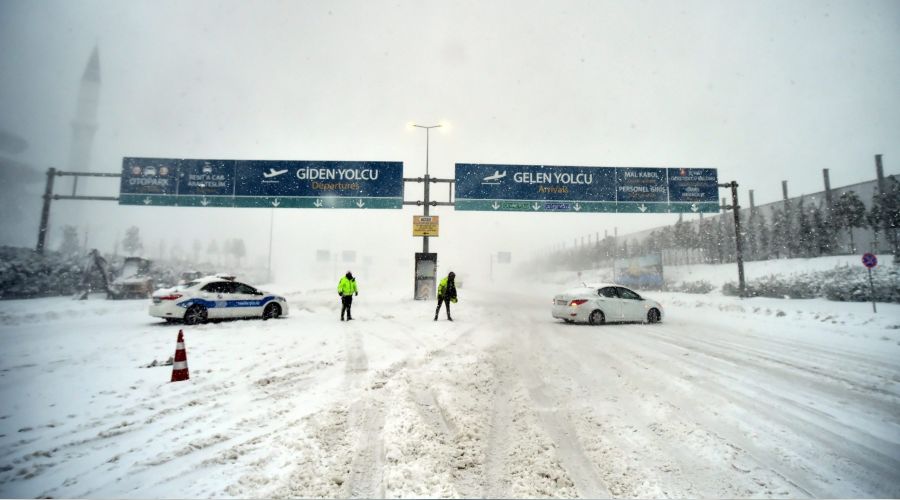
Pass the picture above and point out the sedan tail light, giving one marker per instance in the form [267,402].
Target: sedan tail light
[174,296]
[577,302]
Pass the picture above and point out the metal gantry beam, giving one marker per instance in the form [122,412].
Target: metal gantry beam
[52,173]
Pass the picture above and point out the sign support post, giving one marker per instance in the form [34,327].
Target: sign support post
[872,290]
[738,252]
[52,173]
[870,260]
[45,211]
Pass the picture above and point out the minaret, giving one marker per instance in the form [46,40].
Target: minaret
[84,126]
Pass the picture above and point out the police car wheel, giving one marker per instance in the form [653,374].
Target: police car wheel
[272,311]
[653,316]
[195,315]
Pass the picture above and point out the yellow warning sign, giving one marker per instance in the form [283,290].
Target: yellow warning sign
[425,225]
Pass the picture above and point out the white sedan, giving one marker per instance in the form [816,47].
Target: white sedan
[597,304]
[215,297]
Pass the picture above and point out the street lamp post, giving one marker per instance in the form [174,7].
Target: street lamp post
[427,179]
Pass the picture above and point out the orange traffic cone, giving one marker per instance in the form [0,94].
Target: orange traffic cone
[179,367]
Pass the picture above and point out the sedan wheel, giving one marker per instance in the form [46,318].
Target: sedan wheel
[195,315]
[653,316]
[272,311]
[596,317]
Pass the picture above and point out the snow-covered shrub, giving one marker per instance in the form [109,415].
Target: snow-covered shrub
[848,284]
[795,286]
[701,287]
[24,274]
[852,285]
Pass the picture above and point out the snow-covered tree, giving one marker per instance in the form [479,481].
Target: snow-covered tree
[177,252]
[198,247]
[235,247]
[750,227]
[885,213]
[707,236]
[780,235]
[763,239]
[684,235]
[69,245]
[212,250]
[132,242]
[802,242]
[825,233]
[893,214]
[848,213]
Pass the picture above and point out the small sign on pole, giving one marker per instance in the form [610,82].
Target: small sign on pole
[870,260]
[425,225]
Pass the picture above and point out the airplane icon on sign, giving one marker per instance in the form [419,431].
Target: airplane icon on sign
[494,179]
[273,173]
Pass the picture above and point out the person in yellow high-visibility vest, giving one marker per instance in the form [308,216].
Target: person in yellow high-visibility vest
[346,290]
[446,294]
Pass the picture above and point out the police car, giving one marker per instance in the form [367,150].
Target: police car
[215,297]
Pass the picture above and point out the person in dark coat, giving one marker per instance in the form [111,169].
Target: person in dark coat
[346,290]
[446,294]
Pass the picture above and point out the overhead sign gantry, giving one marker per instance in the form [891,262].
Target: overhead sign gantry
[544,188]
[261,183]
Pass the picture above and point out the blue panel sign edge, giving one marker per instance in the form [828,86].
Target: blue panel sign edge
[217,183]
[702,183]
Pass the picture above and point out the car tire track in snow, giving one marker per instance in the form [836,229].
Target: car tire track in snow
[856,453]
[552,410]
[495,484]
[721,387]
[366,415]
[366,469]
[614,428]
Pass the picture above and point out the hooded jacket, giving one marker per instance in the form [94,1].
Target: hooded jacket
[447,289]
[347,286]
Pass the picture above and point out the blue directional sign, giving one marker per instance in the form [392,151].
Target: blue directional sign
[693,186]
[257,183]
[543,188]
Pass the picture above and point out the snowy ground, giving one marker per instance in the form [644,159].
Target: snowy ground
[725,398]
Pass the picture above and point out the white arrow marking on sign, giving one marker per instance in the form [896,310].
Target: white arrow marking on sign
[276,203]
[318,204]
[694,207]
[147,200]
[577,207]
[495,205]
[536,206]
[360,204]
[204,201]
[642,208]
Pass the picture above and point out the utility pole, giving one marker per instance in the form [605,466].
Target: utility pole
[427,178]
[426,263]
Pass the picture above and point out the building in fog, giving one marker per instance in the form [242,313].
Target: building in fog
[84,125]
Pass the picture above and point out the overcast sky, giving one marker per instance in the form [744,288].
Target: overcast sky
[762,91]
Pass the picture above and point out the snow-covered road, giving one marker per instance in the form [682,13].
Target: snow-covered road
[725,398]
